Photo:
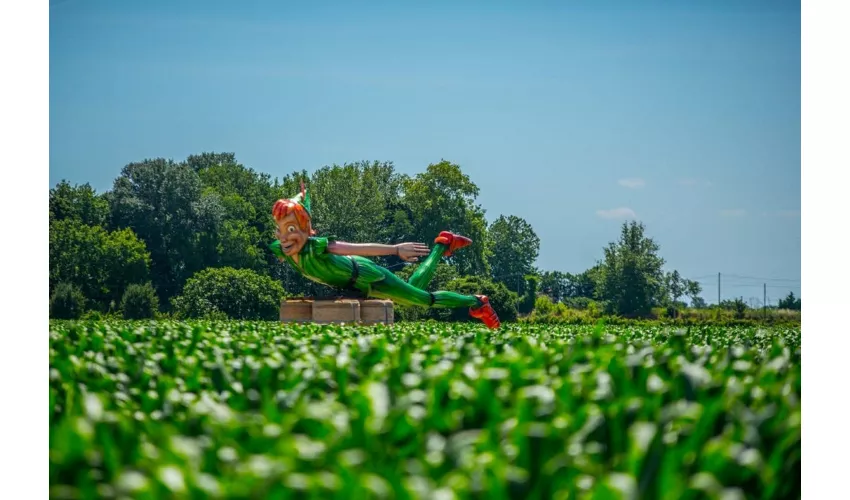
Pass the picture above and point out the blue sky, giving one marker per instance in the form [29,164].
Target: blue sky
[572,115]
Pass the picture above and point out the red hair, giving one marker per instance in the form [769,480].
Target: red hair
[282,208]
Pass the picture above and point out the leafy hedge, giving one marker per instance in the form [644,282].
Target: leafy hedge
[139,302]
[504,301]
[67,302]
[547,312]
[225,292]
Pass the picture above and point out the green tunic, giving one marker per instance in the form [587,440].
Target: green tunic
[321,266]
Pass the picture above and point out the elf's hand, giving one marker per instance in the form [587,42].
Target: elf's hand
[410,252]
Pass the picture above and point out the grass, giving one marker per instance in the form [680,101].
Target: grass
[263,410]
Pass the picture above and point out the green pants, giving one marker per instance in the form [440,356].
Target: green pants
[413,293]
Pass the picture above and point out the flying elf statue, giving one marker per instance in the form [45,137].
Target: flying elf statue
[344,265]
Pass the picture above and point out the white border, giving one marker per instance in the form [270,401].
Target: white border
[824,164]
[24,116]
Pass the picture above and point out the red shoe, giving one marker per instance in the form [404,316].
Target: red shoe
[453,241]
[485,313]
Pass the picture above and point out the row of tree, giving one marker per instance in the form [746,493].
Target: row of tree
[164,222]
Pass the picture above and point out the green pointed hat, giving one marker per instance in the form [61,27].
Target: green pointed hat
[303,199]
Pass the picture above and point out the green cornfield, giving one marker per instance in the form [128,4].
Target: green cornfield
[262,410]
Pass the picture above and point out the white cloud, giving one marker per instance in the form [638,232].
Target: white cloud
[635,183]
[733,212]
[617,213]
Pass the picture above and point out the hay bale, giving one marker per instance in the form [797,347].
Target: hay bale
[349,311]
[297,311]
[377,312]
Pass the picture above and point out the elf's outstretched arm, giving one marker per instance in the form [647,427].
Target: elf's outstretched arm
[407,251]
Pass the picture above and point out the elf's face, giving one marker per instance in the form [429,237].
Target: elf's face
[292,238]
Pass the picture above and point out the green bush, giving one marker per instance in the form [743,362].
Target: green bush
[504,301]
[235,293]
[402,312]
[546,312]
[580,303]
[561,314]
[93,316]
[101,263]
[529,295]
[67,302]
[544,305]
[139,302]
[672,311]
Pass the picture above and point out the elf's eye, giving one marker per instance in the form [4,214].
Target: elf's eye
[290,229]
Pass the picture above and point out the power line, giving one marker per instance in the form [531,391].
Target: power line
[785,284]
[739,282]
[698,278]
[761,279]
[760,285]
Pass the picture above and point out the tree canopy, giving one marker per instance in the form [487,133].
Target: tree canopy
[164,222]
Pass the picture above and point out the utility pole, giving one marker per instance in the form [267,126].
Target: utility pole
[764,302]
[718,289]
